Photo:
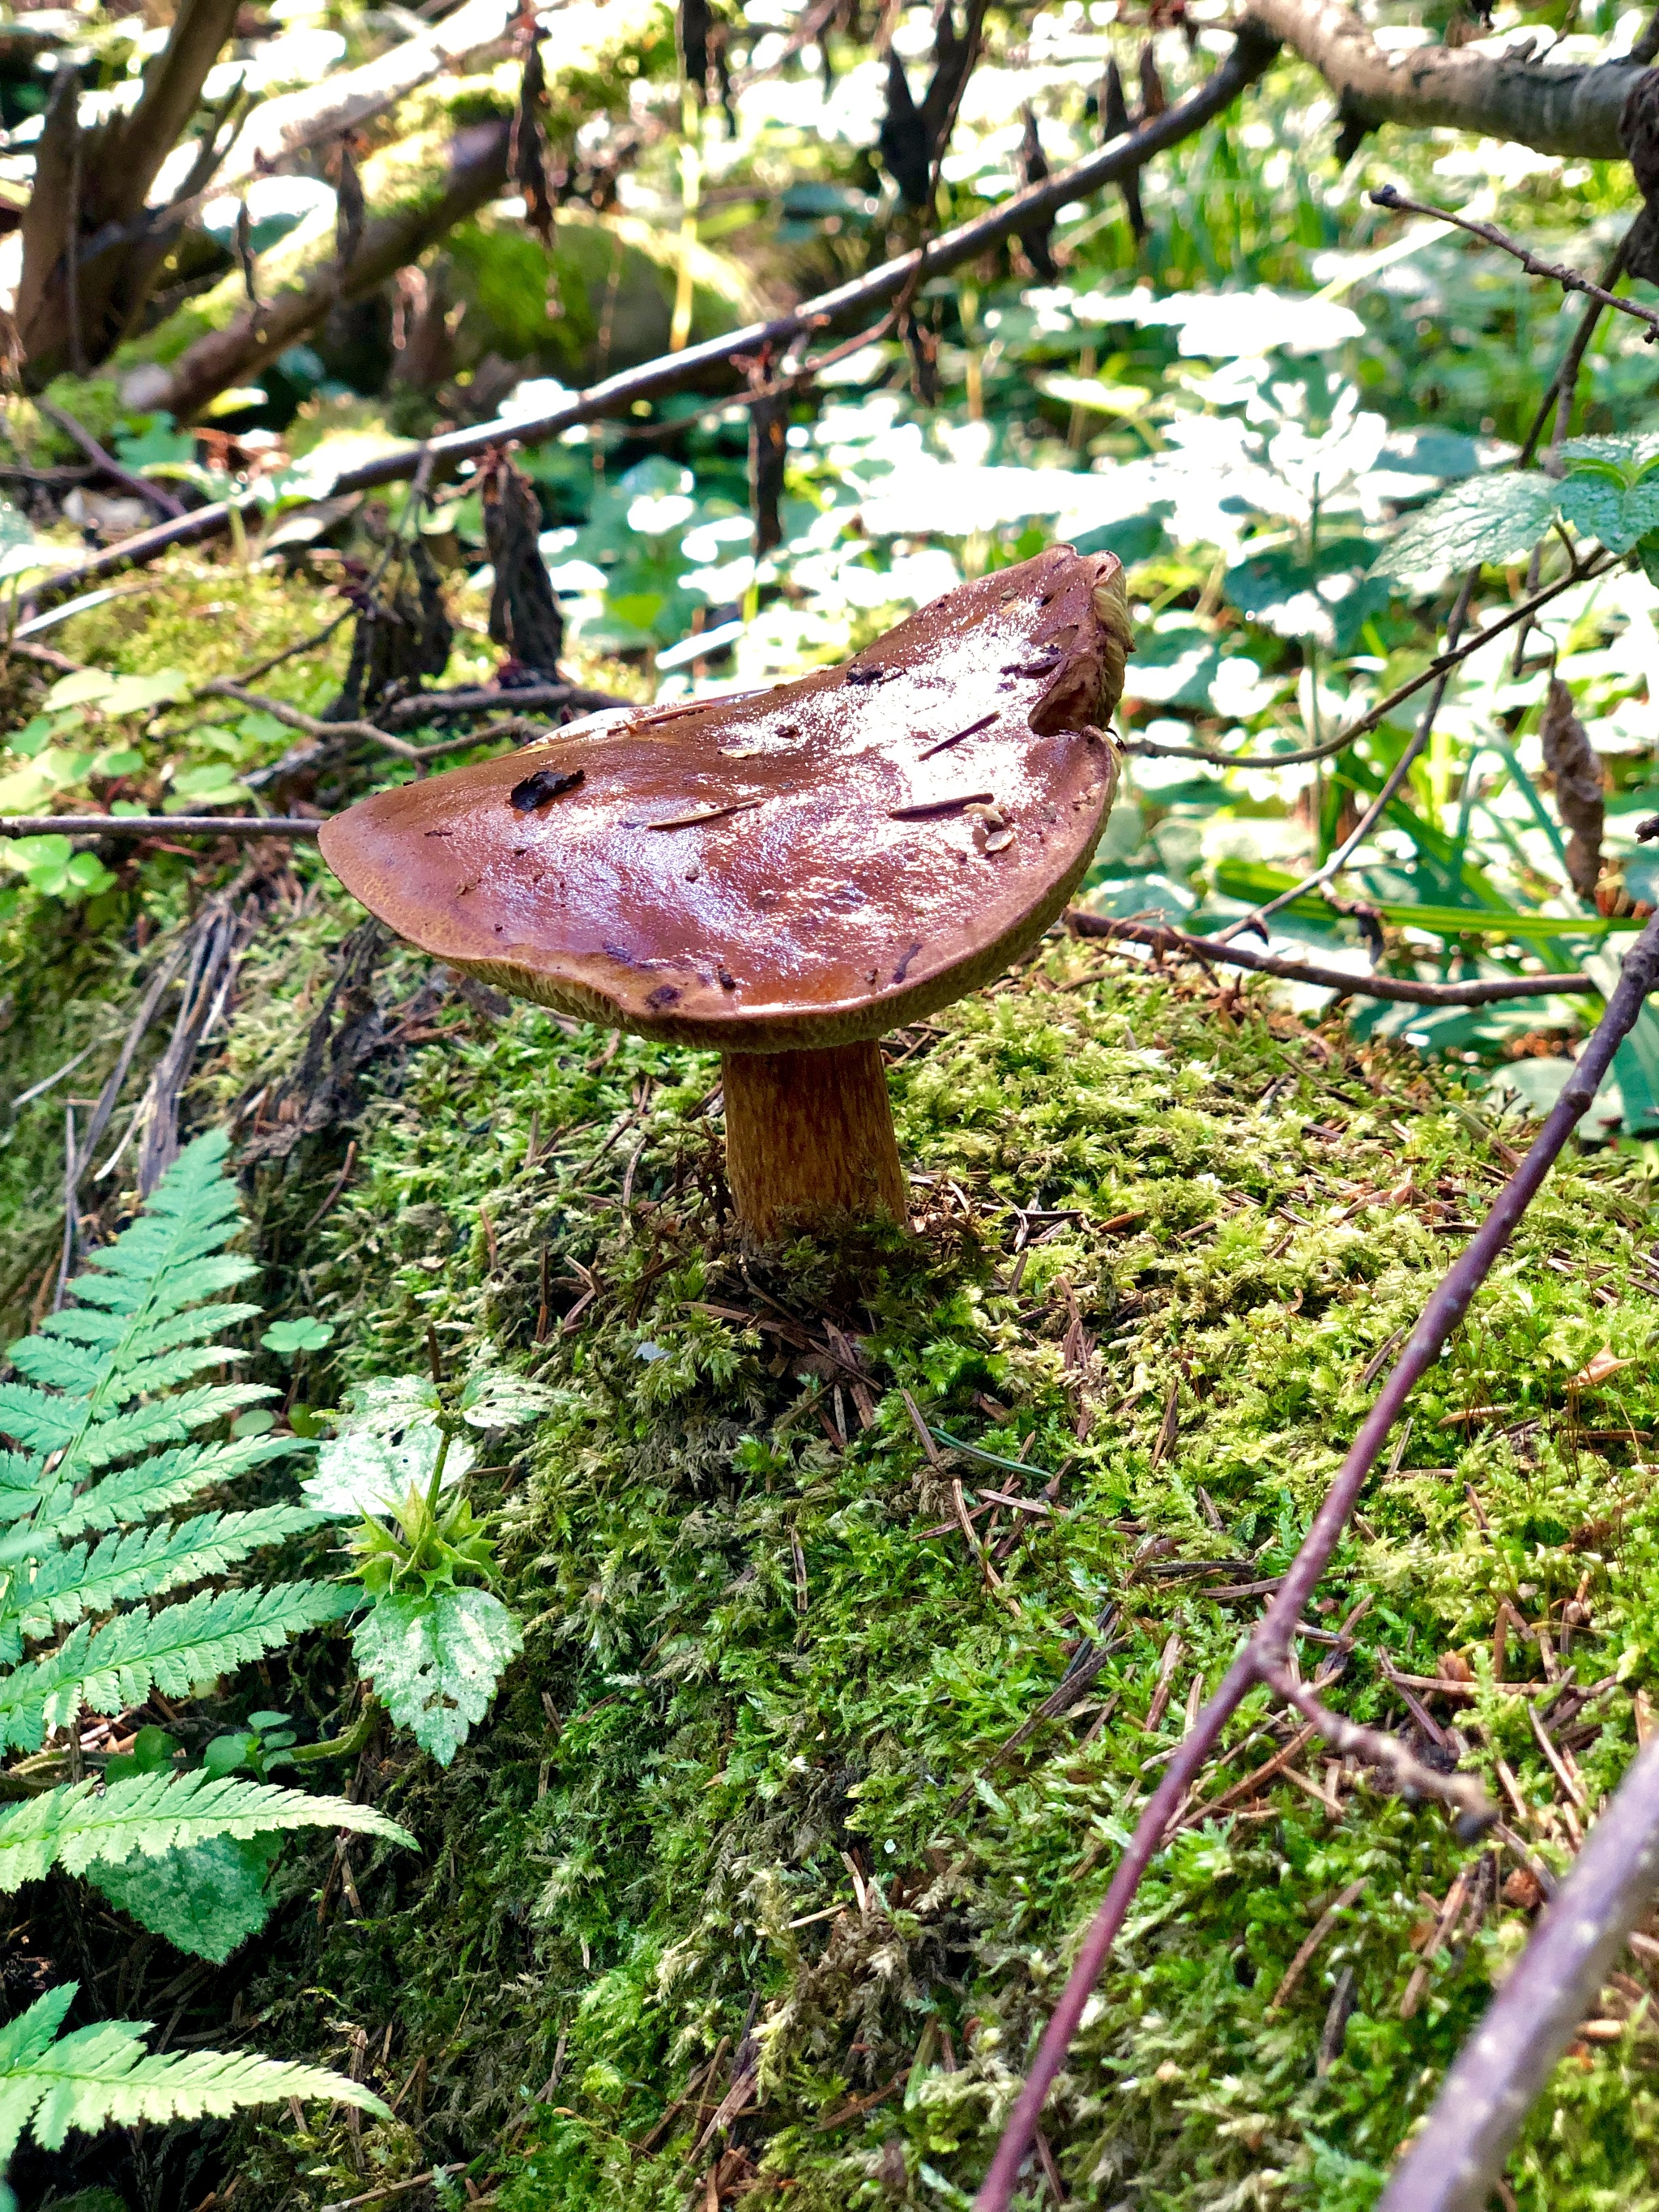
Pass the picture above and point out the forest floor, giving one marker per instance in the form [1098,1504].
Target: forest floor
[769,1857]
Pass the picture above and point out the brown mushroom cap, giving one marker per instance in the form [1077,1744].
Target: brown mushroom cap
[799,868]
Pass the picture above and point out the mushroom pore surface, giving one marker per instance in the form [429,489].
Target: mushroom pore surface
[803,867]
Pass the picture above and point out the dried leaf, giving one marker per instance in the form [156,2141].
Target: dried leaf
[1577,769]
[1598,1370]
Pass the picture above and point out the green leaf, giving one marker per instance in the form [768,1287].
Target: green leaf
[493,1399]
[286,1337]
[1599,505]
[1492,518]
[435,1661]
[137,694]
[205,1899]
[362,1472]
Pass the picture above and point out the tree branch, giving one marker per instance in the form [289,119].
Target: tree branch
[1486,993]
[1439,666]
[255,336]
[1249,58]
[1270,1642]
[158,825]
[1572,109]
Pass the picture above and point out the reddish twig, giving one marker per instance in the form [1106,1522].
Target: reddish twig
[1268,1647]
[1488,992]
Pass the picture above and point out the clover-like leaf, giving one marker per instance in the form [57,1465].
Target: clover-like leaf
[287,1338]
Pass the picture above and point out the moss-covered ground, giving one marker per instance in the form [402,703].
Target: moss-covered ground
[745,1839]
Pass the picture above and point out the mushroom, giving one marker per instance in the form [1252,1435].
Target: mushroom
[785,875]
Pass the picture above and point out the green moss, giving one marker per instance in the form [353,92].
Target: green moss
[746,1660]
[642,1855]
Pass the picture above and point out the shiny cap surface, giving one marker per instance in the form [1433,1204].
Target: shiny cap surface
[799,867]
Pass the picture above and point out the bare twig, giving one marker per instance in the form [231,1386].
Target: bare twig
[222,687]
[1451,2167]
[1570,280]
[1343,852]
[1487,992]
[158,825]
[1376,1748]
[437,706]
[152,494]
[1270,1642]
[1441,665]
[1565,383]
[1251,55]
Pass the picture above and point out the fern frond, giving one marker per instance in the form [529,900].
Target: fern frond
[102,2073]
[77,1826]
[72,1367]
[166,1479]
[87,1325]
[185,1646]
[21,1475]
[69,1584]
[116,1667]
[129,1291]
[168,1262]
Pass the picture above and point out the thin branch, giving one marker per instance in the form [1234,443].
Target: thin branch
[435,706]
[1441,665]
[514,726]
[1270,1642]
[1376,1748]
[1570,280]
[1454,2163]
[1565,383]
[1251,55]
[152,494]
[1338,859]
[1486,992]
[158,825]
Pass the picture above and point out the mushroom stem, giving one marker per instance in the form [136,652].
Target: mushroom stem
[810,1135]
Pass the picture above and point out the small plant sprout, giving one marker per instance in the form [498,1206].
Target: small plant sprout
[436,1637]
[288,1339]
[788,876]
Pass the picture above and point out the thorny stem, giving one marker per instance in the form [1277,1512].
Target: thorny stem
[1570,280]
[1440,665]
[1269,1644]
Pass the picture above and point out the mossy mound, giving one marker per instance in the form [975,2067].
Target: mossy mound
[744,1800]
[747,1828]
